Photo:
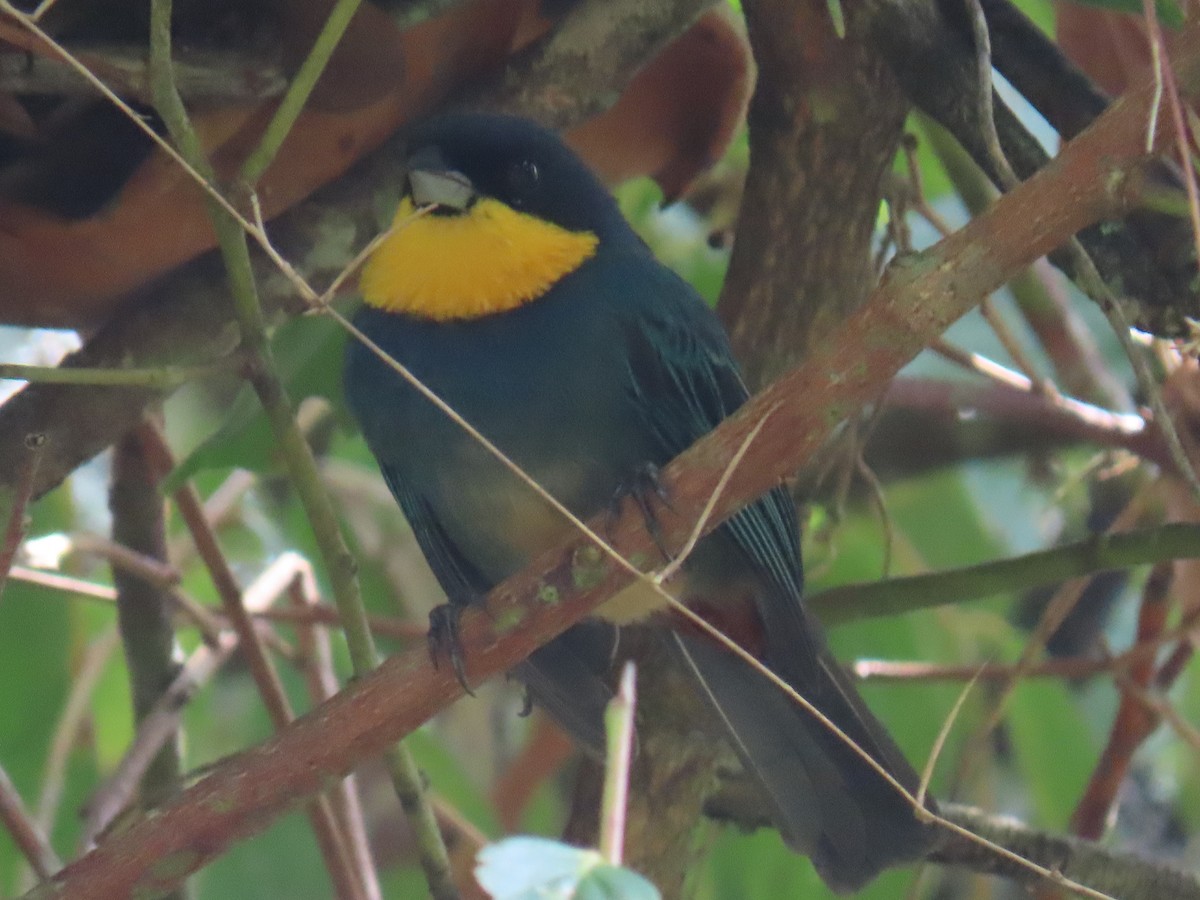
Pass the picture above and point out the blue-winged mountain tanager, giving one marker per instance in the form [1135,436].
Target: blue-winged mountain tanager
[526,302]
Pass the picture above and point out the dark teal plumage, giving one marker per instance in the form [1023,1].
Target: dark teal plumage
[620,364]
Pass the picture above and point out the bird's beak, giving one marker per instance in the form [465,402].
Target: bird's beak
[431,181]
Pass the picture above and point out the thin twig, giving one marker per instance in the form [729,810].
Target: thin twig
[1061,603]
[875,488]
[14,528]
[67,732]
[157,572]
[1065,668]
[162,575]
[1133,722]
[71,723]
[981,365]
[943,735]
[1162,707]
[317,654]
[1099,553]
[1165,84]
[320,614]
[298,90]
[25,833]
[249,643]
[1091,282]
[164,378]
[157,726]
[983,75]
[67,584]
[218,508]
[42,9]
[1013,347]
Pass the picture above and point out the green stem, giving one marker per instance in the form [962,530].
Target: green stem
[618,731]
[162,378]
[1101,553]
[301,86]
[302,467]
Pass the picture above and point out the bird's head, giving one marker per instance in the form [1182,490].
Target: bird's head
[512,211]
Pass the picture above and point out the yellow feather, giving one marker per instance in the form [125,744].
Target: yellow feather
[488,259]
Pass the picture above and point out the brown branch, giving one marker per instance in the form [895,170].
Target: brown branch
[323,614]
[144,607]
[318,614]
[316,660]
[1116,873]
[815,182]
[913,672]
[1038,417]
[24,832]
[923,294]
[162,721]
[209,76]
[19,496]
[330,839]
[1069,668]
[1134,721]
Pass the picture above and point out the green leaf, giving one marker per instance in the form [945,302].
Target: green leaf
[308,353]
[533,868]
[452,781]
[608,882]
[757,865]
[837,16]
[282,861]
[1054,746]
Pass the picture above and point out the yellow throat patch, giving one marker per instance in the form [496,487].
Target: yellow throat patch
[489,259]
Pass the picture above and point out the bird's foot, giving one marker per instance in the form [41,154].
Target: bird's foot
[646,488]
[444,640]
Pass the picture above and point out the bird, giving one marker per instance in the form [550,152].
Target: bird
[526,301]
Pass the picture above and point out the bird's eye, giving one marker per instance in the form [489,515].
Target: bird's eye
[523,179]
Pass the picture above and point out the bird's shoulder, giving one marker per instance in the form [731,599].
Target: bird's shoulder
[679,368]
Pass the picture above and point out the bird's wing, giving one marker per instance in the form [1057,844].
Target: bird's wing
[829,803]
[683,381]
[461,581]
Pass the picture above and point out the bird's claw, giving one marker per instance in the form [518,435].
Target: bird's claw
[645,487]
[444,640]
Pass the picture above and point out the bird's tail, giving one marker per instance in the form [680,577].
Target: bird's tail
[828,802]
